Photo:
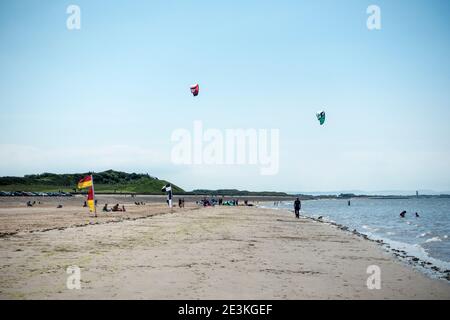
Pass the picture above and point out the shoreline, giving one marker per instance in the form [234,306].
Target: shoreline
[209,253]
[426,267]
[431,270]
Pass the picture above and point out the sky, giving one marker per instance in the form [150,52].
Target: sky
[111,94]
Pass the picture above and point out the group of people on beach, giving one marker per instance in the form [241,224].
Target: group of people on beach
[221,202]
[115,208]
[30,204]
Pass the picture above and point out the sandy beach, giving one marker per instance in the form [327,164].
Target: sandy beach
[193,253]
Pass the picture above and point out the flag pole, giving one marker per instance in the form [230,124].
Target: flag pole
[171,196]
[93,196]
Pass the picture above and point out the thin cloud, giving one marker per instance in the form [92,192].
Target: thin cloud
[24,159]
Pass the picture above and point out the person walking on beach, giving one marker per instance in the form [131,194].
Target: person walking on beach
[297,207]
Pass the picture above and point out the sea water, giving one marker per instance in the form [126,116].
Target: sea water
[425,237]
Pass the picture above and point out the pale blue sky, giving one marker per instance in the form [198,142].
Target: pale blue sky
[110,95]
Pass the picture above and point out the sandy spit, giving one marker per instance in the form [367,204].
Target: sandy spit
[209,253]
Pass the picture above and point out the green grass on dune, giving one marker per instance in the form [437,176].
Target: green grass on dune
[34,188]
[110,181]
[104,182]
[149,188]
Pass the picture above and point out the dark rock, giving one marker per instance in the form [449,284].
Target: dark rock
[435,268]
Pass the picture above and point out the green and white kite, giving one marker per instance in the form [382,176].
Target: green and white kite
[321,117]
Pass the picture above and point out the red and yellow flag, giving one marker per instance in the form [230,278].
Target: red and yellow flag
[90,200]
[86,182]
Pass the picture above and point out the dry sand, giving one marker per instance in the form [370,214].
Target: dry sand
[209,253]
[16,217]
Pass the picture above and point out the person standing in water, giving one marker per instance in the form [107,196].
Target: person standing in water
[297,207]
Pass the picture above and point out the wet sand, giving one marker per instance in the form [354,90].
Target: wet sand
[206,253]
